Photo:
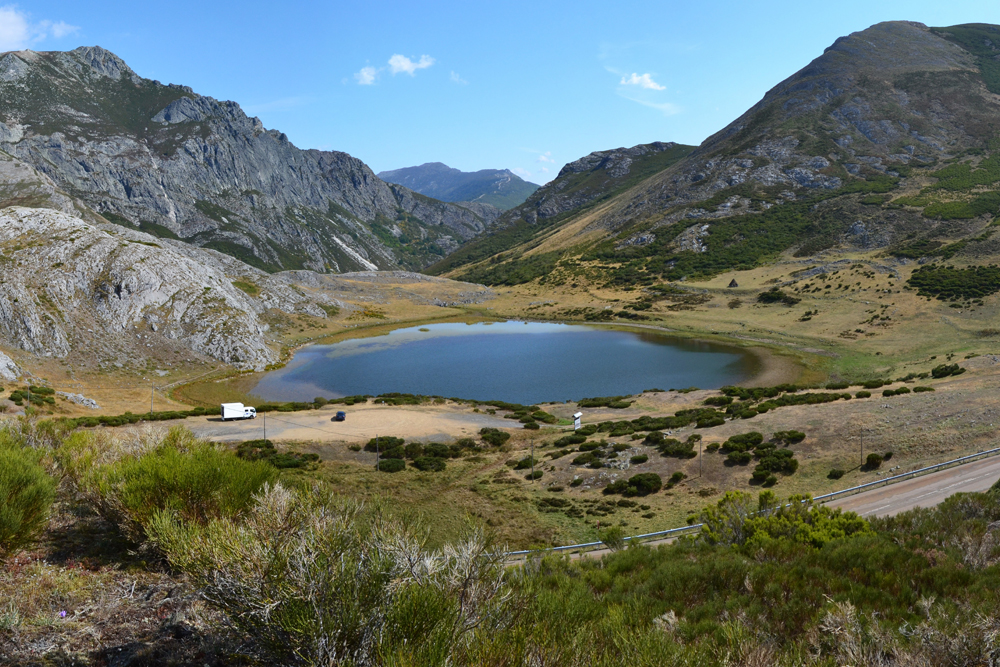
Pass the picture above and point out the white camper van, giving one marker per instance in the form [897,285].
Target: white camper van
[237,411]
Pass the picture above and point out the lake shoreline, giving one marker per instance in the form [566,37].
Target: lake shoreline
[760,365]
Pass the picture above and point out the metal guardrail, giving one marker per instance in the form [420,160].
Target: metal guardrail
[907,475]
[570,547]
[821,499]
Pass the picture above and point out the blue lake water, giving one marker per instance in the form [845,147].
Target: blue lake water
[509,361]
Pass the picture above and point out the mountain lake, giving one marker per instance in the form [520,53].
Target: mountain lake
[519,362]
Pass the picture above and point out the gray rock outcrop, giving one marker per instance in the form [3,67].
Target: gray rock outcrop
[165,160]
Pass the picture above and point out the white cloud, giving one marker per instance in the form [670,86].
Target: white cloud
[546,157]
[15,33]
[668,108]
[522,172]
[18,32]
[643,81]
[367,75]
[455,78]
[62,29]
[398,63]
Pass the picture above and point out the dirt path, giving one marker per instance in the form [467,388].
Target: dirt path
[364,422]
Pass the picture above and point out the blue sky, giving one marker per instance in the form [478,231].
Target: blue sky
[526,86]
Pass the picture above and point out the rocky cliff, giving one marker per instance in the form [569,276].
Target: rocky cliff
[167,161]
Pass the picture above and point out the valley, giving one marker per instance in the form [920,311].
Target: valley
[161,253]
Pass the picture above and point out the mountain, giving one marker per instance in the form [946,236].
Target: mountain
[102,296]
[886,140]
[498,187]
[164,160]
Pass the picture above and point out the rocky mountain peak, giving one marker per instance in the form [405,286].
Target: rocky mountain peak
[167,161]
[102,62]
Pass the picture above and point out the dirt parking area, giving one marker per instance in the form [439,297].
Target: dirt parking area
[364,422]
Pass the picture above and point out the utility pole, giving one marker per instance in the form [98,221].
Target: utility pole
[532,461]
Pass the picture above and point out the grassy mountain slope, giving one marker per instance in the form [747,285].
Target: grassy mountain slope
[887,141]
[497,187]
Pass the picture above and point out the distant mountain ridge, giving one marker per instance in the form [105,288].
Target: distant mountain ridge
[167,161]
[498,187]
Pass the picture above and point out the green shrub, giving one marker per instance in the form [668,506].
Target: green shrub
[788,437]
[588,430]
[573,439]
[26,494]
[616,402]
[525,463]
[613,538]
[391,465]
[196,482]
[873,384]
[863,394]
[944,370]
[429,463]
[493,436]
[642,484]
[836,473]
[384,443]
[774,461]
[743,442]
[873,461]
[532,426]
[576,482]
[263,450]
[639,458]
[739,458]
[837,385]
[676,478]
[713,447]
[775,295]
[534,475]
[312,580]
[919,390]
[718,400]
[709,422]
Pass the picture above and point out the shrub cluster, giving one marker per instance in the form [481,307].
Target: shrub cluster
[493,436]
[947,283]
[775,295]
[130,483]
[616,402]
[34,395]
[264,450]
[643,484]
[944,370]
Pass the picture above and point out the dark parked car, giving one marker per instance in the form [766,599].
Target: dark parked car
[339,417]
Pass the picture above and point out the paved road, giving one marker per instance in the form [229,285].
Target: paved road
[925,491]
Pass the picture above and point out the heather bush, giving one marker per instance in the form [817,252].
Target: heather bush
[129,482]
[26,494]
[315,580]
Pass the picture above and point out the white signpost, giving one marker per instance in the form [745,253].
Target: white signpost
[576,420]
